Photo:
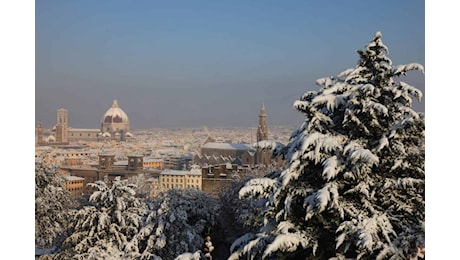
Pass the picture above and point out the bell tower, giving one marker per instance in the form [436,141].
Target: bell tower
[262,155]
[262,130]
[62,126]
[40,133]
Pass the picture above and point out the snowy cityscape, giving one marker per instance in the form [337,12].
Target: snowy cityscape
[340,180]
[226,131]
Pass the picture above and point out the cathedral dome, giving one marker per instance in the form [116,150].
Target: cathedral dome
[115,119]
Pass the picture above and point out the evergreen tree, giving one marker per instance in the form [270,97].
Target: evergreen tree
[354,184]
[103,229]
[176,223]
[52,203]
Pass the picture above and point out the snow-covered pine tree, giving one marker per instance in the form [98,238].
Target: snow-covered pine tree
[354,185]
[176,223]
[102,230]
[52,203]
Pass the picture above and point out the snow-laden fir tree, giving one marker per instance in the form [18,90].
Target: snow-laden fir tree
[103,229]
[241,212]
[176,223]
[52,205]
[354,184]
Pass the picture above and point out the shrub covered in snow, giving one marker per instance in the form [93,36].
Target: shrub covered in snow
[103,229]
[176,223]
[52,202]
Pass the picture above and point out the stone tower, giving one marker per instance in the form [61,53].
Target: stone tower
[62,126]
[40,132]
[262,156]
[135,162]
[262,130]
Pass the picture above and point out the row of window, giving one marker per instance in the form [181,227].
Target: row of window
[89,134]
[180,180]
[73,182]
[172,186]
[75,154]
[75,189]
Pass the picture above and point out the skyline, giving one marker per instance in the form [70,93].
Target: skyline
[183,64]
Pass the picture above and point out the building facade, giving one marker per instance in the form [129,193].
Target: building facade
[177,179]
[75,185]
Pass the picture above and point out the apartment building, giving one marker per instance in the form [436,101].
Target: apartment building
[177,179]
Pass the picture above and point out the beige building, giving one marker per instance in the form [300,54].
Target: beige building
[154,163]
[176,179]
[75,185]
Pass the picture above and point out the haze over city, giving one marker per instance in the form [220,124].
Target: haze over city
[190,64]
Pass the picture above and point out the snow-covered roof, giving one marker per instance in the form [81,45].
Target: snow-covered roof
[84,130]
[173,172]
[146,159]
[195,171]
[228,146]
[268,145]
[50,138]
[120,163]
[181,173]
[72,178]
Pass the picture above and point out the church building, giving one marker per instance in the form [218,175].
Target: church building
[114,126]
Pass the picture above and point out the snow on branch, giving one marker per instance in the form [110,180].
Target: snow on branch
[256,187]
[411,90]
[318,201]
[274,147]
[403,183]
[356,75]
[374,106]
[327,82]
[345,73]
[368,231]
[363,155]
[286,243]
[383,142]
[402,69]
[377,42]
[331,101]
[331,168]
[252,244]
[285,226]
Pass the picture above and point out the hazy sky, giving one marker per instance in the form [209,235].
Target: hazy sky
[196,63]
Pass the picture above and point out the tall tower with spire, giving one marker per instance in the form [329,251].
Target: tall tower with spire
[262,156]
[262,130]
